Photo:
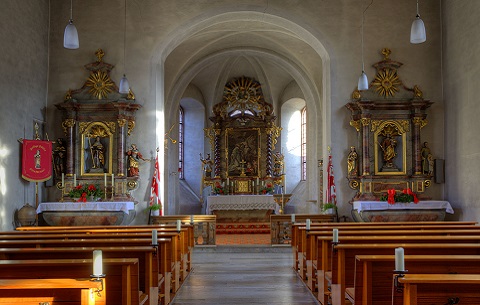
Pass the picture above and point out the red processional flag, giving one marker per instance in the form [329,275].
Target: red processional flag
[331,193]
[36,160]
[155,190]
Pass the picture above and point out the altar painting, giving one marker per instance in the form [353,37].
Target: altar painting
[242,151]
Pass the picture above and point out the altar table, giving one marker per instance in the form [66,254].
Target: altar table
[87,213]
[242,207]
[429,210]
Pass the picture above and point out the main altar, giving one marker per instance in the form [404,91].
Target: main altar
[390,154]
[245,164]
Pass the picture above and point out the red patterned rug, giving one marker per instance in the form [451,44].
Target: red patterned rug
[243,228]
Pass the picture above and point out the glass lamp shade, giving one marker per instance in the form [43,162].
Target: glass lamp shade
[417,33]
[363,81]
[124,86]
[70,37]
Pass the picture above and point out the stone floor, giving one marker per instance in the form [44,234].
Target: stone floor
[242,275]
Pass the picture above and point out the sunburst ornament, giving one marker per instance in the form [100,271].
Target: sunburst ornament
[386,82]
[100,83]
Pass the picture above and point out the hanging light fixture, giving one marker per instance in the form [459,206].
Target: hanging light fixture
[70,36]
[363,80]
[124,87]
[417,32]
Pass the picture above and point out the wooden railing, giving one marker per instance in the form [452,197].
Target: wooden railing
[203,226]
[281,225]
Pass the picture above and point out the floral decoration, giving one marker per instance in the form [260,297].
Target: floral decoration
[218,189]
[405,196]
[267,189]
[82,192]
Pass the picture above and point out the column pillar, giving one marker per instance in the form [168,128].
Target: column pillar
[365,146]
[121,147]
[68,125]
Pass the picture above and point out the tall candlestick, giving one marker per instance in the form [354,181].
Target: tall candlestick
[228,182]
[399,259]
[113,182]
[154,237]
[293,218]
[97,263]
[335,235]
[63,180]
[105,179]
[179,225]
[308,224]
[74,180]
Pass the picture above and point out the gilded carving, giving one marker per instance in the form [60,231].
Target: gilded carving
[274,131]
[354,184]
[130,95]
[121,122]
[108,127]
[356,124]
[417,92]
[100,84]
[420,122]
[366,121]
[402,126]
[68,123]
[386,82]
[356,95]
[68,95]
[211,133]
[131,126]
[428,183]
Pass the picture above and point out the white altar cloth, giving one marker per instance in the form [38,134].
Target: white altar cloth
[421,205]
[241,202]
[86,206]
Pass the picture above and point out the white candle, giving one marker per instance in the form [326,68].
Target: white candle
[154,237]
[74,180]
[105,179]
[308,224]
[335,235]
[191,218]
[293,218]
[113,182]
[63,180]
[97,262]
[179,225]
[257,182]
[399,259]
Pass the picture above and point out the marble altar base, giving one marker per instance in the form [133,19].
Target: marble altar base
[398,215]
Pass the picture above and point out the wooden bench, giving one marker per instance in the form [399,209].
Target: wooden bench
[342,274]
[203,226]
[373,273]
[149,280]
[281,225]
[122,281]
[425,289]
[45,291]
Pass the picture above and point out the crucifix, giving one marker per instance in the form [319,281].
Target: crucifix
[242,173]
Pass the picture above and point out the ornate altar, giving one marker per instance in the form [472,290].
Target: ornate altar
[243,138]
[388,118]
[97,120]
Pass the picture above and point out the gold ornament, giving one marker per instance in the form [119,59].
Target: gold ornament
[100,83]
[386,82]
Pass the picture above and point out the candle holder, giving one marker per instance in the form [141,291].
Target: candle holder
[98,278]
[113,192]
[334,246]
[398,274]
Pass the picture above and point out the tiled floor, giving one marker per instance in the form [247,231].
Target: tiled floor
[243,275]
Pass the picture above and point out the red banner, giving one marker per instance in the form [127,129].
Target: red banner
[37,160]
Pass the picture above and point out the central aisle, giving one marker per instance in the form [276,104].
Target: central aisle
[243,275]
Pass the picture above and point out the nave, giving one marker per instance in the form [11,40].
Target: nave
[243,275]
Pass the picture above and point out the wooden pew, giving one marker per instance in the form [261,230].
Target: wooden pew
[121,281]
[148,263]
[203,226]
[344,258]
[40,291]
[281,225]
[425,289]
[373,274]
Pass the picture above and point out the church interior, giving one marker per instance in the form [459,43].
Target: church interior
[199,108]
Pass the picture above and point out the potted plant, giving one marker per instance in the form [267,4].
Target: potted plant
[155,209]
[329,208]
[87,192]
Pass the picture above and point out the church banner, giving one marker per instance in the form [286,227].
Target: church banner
[37,160]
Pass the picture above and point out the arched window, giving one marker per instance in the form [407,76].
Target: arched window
[181,138]
[304,143]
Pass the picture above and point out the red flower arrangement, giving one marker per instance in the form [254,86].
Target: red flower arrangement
[267,189]
[218,189]
[405,196]
[82,192]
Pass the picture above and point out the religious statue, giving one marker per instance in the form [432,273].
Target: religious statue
[207,164]
[59,155]
[388,147]
[425,153]
[37,159]
[133,161]
[352,164]
[97,151]
[278,164]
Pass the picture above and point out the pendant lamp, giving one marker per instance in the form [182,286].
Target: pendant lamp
[70,36]
[417,32]
[124,87]
[363,80]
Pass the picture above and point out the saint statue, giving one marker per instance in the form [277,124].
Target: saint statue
[278,164]
[98,153]
[388,146]
[133,161]
[425,153]
[37,159]
[352,163]
[59,155]
[207,166]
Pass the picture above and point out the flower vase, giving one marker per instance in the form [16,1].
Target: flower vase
[93,198]
[155,212]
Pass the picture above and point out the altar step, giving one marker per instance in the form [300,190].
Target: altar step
[243,228]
